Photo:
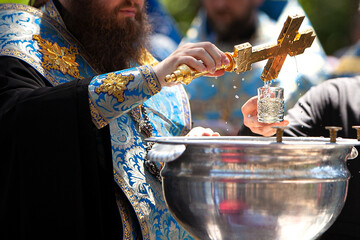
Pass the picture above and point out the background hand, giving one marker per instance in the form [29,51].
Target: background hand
[200,131]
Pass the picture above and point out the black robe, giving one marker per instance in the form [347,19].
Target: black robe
[333,103]
[56,178]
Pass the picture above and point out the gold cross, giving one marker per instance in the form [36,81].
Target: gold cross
[290,41]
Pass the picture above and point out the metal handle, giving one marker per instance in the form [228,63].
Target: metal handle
[184,74]
[165,152]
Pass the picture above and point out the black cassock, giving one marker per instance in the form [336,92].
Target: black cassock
[56,178]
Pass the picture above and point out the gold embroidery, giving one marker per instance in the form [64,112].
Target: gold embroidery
[150,79]
[114,85]
[129,229]
[97,119]
[58,58]
[147,58]
[134,201]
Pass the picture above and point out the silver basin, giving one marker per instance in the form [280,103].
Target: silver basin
[253,187]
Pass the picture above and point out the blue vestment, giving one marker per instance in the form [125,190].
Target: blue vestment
[40,39]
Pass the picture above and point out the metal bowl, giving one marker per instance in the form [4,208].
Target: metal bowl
[254,187]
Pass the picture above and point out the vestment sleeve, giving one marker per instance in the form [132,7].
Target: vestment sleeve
[114,94]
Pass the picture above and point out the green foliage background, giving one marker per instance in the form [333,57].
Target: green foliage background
[15,1]
[332,20]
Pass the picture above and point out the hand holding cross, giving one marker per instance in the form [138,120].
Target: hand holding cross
[290,41]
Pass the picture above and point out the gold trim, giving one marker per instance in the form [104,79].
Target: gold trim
[126,218]
[115,85]
[150,79]
[20,55]
[135,203]
[21,7]
[60,29]
[147,58]
[58,58]
[96,117]
[52,11]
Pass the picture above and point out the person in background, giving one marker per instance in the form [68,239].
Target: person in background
[334,102]
[345,61]
[79,93]
[216,102]
[166,35]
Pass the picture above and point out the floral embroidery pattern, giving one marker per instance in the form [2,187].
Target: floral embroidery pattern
[114,85]
[97,119]
[58,58]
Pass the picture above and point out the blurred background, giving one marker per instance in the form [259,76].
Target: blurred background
[336,22]
[15,1]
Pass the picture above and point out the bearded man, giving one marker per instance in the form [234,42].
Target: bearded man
[79,93]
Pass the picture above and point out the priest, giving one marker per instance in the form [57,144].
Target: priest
[79,93]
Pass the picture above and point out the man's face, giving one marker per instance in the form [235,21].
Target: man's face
[224,12]
[112,31]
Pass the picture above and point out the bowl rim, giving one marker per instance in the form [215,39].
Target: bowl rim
[253,140]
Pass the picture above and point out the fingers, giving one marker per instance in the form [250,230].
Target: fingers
[203,56]
[200,131]
[214,57]
[264,129]
[217,73]
[250,107]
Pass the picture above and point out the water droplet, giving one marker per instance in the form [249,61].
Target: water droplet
[234,87]
[296,64]
[213,85]
[236,96]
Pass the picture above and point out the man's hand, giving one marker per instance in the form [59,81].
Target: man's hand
[200,131]
[202,56]
[249,111]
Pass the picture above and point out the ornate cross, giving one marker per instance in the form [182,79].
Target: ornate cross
[290,41]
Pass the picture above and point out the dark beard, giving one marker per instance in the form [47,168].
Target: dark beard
[112,45]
